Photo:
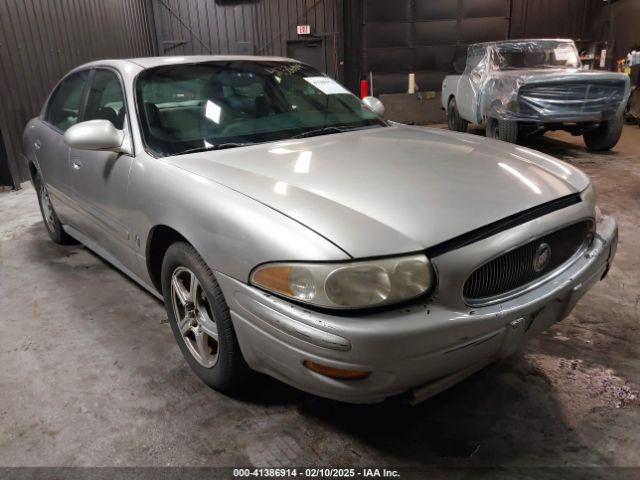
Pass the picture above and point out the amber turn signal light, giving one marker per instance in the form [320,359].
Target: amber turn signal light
[335,372]
[275,279]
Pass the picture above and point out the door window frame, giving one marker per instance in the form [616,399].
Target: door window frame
[126,125]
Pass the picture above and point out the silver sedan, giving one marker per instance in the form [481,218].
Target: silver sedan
[290,230]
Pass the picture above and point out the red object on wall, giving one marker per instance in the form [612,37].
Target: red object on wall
[364,88]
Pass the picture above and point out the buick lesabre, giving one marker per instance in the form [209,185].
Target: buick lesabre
[290,230]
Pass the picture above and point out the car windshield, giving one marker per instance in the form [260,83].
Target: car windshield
[225,104]
[541,54]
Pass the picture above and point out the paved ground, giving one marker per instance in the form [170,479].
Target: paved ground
[90,374]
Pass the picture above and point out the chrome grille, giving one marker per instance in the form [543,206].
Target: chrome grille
[575,97]
[519,267]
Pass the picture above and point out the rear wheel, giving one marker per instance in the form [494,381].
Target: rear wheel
[200,319]
[454,120]
[51,220]
[605,136]
[505,130]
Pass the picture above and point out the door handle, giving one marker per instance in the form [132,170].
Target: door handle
[76,165]
[37,144]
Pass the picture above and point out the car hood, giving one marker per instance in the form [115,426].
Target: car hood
[390,190]
[565,75]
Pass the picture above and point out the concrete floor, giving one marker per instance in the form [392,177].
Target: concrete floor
[90,374]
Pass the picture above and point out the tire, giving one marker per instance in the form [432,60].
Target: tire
[49,216]
[505,130]
[454,120]
[605,136]
[219,363]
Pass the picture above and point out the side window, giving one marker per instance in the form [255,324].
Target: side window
[64,107]
[106,100]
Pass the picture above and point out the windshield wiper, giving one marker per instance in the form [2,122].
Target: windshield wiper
[216,146]
[323,131]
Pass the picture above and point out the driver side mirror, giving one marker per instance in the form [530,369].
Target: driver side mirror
[96,135]
[374,104]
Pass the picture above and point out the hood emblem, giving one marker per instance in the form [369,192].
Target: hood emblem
[542,257]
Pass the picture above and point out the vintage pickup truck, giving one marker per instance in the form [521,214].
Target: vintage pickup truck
[526,87]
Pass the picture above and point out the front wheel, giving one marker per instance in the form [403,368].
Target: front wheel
[200,319]
[505,130]
[454,120]
[605,136]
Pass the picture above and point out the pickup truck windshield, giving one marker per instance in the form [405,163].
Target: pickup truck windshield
[224,104]
[540,54]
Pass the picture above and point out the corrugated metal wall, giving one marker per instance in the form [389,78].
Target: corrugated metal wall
[261,27]
[40,40]
[425,37]
[324,16]
[552,18]
[188,27]
[625,33]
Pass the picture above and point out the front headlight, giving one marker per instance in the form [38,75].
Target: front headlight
[589,195]
[352,285]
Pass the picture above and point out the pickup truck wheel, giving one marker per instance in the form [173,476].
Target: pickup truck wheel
[505,130]
[605,136]
[51,220]
[200,319]
[454,120]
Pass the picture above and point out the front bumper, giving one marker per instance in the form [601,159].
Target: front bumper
[422,349]
[559,116]
[586,117]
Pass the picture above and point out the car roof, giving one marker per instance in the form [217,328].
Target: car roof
[150,62]
[521,40]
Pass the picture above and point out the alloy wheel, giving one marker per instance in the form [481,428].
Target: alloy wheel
[194,317]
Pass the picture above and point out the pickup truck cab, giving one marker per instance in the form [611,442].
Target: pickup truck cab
[520,87]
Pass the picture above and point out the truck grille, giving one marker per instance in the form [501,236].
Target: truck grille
[519,267]
[571,98]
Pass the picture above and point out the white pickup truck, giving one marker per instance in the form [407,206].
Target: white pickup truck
[520,87]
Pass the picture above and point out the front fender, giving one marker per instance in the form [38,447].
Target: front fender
[232,232]
[497,96]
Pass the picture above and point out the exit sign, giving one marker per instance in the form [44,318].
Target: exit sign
[303,29]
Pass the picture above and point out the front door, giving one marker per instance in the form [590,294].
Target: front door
[471,83]
[100,178]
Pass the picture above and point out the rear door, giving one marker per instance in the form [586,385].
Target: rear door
[100,178]
[63,111]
